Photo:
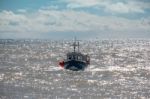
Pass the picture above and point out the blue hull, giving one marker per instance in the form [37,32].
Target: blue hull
[75,65]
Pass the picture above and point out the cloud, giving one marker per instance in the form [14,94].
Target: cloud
[51,7]
[81,3]
[127,6]
[10,21]
[123,8]
[49,21]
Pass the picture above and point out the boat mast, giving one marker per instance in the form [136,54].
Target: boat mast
[78,46]
[74,47]
[74,44]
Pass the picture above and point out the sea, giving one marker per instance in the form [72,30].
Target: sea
[119,69]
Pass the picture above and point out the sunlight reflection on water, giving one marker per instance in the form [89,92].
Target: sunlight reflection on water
[119,69]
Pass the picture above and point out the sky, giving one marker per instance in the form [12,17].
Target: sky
[64,19]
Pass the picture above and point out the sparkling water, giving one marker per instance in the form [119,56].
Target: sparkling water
[119,69]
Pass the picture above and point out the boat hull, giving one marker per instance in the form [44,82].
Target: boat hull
[75,65]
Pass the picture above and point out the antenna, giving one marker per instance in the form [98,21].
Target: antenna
[78,46]
[75,44]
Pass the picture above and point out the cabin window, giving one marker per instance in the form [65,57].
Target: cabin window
[79,58]
[69,57]
[76,57]
[73,57]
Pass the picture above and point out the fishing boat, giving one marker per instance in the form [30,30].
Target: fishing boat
[75,60]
